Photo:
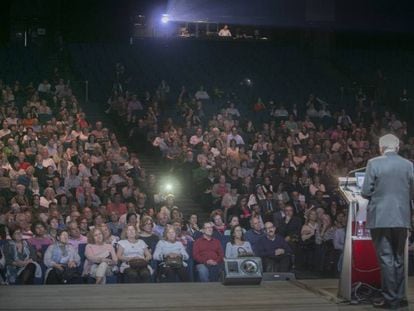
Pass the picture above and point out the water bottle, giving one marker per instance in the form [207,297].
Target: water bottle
[360,229]
[367,233]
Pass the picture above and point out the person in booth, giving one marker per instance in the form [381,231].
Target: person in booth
[224,32]
[389,187]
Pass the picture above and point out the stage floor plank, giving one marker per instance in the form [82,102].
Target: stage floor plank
[278,295]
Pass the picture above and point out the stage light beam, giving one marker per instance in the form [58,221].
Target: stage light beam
[169,187]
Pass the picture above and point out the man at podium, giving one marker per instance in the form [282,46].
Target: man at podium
[389,185]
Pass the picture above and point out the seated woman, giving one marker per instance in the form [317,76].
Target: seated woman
[218,222]
[53,227]
[62,261]
[316,186]
[100,257]
[135,256]
[234,221]
[238,244]
[172,255]
[20,260]
[83,226]
[146,234]
[192,225]
[309,233]
[220,189]
[109,238]
[40,238]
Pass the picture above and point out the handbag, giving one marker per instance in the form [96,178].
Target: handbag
[242,252]
[308,244]
[138,263]
[173,262]
[67,274]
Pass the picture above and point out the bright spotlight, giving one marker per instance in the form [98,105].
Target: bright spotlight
[247,82]
[168,187]
[165,18]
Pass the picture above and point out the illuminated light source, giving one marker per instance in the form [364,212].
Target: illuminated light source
[168,187]
[165,18]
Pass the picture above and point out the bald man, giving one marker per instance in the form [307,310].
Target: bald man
[388,186]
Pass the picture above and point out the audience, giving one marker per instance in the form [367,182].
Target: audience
[272,167]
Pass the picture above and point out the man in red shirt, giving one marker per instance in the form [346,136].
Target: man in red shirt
[209,255]
[117,205]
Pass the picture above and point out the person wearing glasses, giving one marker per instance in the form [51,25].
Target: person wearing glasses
[274,250]
[147,234]
[208,255]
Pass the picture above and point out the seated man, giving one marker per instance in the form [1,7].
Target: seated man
[255,234]
[290,228]
[274,250]
[75,236]
[209,255]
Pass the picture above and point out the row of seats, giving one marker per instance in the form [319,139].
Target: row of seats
[118,278]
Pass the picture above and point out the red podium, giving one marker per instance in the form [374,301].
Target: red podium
[365,267]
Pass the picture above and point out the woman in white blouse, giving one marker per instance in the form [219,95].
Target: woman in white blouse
[237,245]
[135,256]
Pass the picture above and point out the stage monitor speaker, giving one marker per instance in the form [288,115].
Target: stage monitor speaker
[279,276]
[242,271]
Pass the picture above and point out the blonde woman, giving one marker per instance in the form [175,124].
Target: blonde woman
[309,235]
[100,257]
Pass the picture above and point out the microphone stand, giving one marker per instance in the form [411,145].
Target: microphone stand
[352,172]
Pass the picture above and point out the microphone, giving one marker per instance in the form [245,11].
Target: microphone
[352,172]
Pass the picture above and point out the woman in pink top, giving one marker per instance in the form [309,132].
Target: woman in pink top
[40,238]
[101,257]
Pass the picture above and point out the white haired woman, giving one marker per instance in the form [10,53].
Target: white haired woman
[172,255]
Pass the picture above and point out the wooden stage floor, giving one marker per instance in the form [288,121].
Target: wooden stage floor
[309,295]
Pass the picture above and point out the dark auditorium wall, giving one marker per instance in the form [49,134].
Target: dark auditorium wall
[4,21]
[111,20]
